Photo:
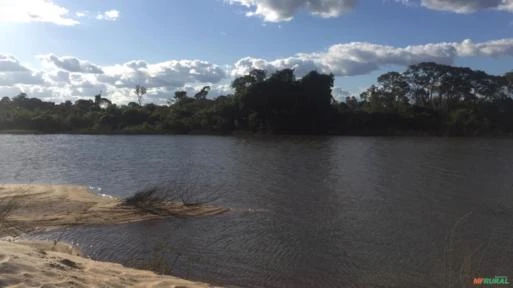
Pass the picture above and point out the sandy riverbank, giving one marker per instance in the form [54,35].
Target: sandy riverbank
[49,264]
[36,265]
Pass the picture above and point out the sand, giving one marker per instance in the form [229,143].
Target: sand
[22,265]
[47,206]
[56,264]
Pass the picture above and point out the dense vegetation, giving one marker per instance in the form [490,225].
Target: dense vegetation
[426,99]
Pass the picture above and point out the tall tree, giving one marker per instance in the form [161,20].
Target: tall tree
[201,95]
[140,91]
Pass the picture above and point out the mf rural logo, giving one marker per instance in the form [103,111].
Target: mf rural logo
[497,280]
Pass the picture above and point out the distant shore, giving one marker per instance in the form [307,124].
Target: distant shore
[115,132]
[387,133]
[39,207]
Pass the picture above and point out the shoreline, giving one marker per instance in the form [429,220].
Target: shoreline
[37,207]
[41,206]
[38,264]
[386,133]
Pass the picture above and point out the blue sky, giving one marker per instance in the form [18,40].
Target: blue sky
[63,50]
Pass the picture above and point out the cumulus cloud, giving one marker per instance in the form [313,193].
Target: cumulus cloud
[164,94]
[358,58]
[70,78]
[174,73]
[494,48]
[301,63]
[284,10]
[10,64]
[70,64]
[35,11]
[463,6]
[14,73]
[24,77]
[162,79]
[110,15]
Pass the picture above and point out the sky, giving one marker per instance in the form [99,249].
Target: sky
[60,50]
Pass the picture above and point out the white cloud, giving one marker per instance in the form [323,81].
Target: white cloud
[24,77]
[10,64]
[12,73]
[284,10]
[81,13]
[163,94]
[70,78]
[302,63]
[70,64]
[494,48]
[162,79]
[16,11]
[110,15]
[47,11]
[358,58]
[57,77]
[174,73]
[463,6]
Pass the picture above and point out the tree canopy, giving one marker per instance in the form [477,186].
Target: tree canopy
[426,99]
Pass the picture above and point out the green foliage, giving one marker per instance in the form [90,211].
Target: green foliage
[427,98]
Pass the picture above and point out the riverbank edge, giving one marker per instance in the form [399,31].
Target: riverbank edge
[384,133]
[40,264]
[39,207]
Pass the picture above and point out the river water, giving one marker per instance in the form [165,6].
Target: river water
[308,211]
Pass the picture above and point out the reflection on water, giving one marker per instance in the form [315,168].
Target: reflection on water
[330,212]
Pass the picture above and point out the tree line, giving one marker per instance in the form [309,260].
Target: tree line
[426,99]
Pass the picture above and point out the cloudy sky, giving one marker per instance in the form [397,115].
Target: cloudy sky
[64,50]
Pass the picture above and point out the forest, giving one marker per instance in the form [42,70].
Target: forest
[426,99]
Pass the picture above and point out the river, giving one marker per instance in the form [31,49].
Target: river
[307,211]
